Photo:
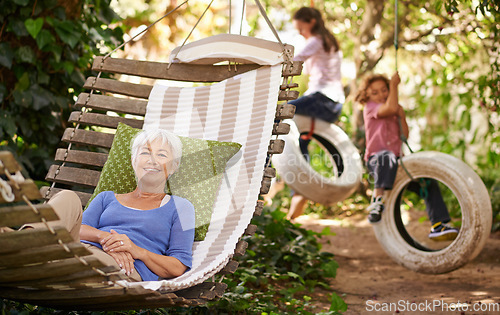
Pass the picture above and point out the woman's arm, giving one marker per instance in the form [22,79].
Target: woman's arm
[178,255]
[161,265]
[391,106]
[91,234]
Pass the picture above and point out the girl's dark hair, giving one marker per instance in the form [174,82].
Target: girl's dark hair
[306,14]
[362,95]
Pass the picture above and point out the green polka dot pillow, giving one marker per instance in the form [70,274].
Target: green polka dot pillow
[197,179]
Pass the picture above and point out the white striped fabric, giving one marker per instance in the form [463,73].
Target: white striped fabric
[240,109]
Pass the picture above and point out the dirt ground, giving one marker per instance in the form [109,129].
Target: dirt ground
[369,280]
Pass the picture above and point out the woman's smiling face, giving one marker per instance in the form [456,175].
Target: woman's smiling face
[153,161]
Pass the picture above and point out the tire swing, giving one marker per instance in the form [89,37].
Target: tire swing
[299,174]
[465,185]
[473,200]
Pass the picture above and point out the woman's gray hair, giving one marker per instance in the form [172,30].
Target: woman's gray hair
[150,135]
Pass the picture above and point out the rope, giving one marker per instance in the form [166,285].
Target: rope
[242,15]
[422,182]
[146,29]
[230,17]
[264,14]
[191,32]
[396,41]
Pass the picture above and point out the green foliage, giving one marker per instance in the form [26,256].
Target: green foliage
[281,270]
[46,50]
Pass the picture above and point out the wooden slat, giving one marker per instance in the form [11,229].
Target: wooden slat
[88,137]
[8,162]
[101,120]
[75,297]
[292,68]
[241,248]
[51,269]
[231,267]
[81,157]
[281,128]
[205,290]
[111,103]
[88,278]
[176,72]
[250,230]
[269,172]
[27,188]
[19,215]
[42,254]
[288,95]
[265,186]
[288,86]
[276,146]
[259,208]
[31,238]
[73,176]
[118,87]
[84,197]
[285,111]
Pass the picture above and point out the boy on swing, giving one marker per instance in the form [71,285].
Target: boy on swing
[383,118]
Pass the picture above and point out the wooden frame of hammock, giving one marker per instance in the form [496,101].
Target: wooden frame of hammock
[28,271]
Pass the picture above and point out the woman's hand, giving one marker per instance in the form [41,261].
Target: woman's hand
[125,261]
[120,243]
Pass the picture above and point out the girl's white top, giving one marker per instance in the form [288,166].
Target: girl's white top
[323,69]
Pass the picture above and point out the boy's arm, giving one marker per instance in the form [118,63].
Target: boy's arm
[391,106]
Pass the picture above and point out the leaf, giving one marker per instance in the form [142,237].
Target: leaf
[44,38]
[43,78]
[68,66]
[7,124]
[56,50]
[17,26]
[330,268]
[22,98]
[295,276]
[338,305]
[67,32]
[6,55]
[21,2]
[23,83]
[34,26]
[41,97]
[25,54]
[3,92]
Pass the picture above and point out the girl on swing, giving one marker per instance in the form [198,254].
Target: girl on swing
[325,94]
[383,117]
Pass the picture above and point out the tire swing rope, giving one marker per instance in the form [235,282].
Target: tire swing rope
[421,181]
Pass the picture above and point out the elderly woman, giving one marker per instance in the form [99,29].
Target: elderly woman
[146,229]
[146,233]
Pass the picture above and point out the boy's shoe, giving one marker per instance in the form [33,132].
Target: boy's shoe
[443,232]
[375,209]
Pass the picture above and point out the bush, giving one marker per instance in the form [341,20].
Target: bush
[46,49]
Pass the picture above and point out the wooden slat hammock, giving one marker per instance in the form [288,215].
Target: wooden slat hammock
[45,267]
